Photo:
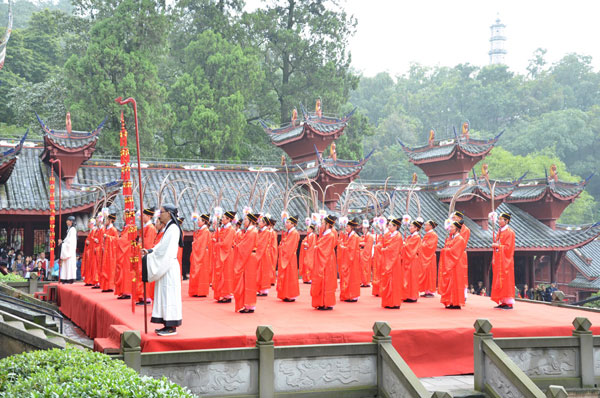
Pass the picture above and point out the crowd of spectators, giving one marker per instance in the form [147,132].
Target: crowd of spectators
[15,262]
[542,292]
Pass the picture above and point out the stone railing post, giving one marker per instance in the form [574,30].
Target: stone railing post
[33,283]
[381,334]
[556,392]
[266,361]
[483,328]
[586,350]
[132,351]
[441,394]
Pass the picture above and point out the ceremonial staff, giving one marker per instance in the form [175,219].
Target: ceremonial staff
[120,101]
[59,205]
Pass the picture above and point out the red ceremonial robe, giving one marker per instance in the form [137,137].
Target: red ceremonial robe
[124,275]
[263,258]
[200,263]
[98,254]
[324,278]
[109,259]
[465,232]
[392,278]
[350,281]
[411,265]
[452,272]
[88,263]
[222,282]
[503,267]
[287,278]
[244,270]
[273,255]
[427,282]
[366,258]
[378,262]
[307,256]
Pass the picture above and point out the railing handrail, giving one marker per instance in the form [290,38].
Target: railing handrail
[46,311]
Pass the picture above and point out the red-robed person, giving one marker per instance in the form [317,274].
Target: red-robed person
[98,251]
[503,264]
[273,250]
[452,270]
[223,244]
[180,220]
[88,262]
[244,268]
[366,243]
[411,262]
[109,259]
[287,277]
[263,258]
[324,276]
[124,274]
[392,278]
[200,259]
[307,254]
[465,232]
[427,281]
[350,282]
[378,258]
[149,231]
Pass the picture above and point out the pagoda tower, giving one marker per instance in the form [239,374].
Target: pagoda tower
[70,147]
[306,141]
[497,43]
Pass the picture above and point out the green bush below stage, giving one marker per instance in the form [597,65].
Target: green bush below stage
[77,373]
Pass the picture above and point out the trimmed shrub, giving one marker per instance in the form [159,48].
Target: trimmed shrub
[77,373]
[12,278]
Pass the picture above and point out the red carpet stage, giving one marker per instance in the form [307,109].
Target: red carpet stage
[434,341]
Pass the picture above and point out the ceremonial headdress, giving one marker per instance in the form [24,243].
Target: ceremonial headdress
[205,217]
[112,216]
[397,222]
[457,224]
[173,212]
[330,219]
[293,219]
[253,217]
[149,211]
[417,224]
[459,214]
[71,218]
[353,223]
[230,214]
[506,216]
[180,220]
[432,223]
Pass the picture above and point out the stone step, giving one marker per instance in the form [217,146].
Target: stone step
[22,312]
[57,340]
[16,324]
[37,332]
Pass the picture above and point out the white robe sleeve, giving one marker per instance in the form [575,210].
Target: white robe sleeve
[164,254]
[69,245]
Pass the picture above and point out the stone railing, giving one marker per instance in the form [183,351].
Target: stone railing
[345,370]
[522,367]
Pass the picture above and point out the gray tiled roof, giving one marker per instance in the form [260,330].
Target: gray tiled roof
[72,140]
[445,148]
[535,189]
[445,190]
[323,125]
[582,282]
[338,168]
[587,260]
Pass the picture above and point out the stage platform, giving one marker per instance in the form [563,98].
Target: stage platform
[433,341]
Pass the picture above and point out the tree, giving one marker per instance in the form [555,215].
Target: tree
[303,46]
[121,61]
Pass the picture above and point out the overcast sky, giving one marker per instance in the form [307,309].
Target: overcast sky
[393,33]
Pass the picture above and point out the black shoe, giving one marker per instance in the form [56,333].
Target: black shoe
[365,285]
[289,300]
[453,307]
[87,284]
[409,300]
[224,301]
[107,290]
[96,287]
[507,307]
[246,311]
[262,294]
[500,306]
[167,331]
[428,295]
[307,282]
[124,297]
[272,284]
[351,300]
[393,307]
[320,308]
[327,308]
[142,302]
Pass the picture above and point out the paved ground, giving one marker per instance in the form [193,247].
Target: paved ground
[448,383]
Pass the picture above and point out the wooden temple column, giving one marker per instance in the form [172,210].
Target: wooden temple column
[487,265]
[555,260]
[530,271]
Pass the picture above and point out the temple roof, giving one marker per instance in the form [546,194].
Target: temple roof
[70,140]
[339,169]
[533,190]
[445,149]
[8,159]
[586,260]
[27,189]
[446,190]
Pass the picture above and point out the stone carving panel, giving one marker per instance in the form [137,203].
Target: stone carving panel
[299,374]
[546,362]
[500,383]
[391,385]
[209,379]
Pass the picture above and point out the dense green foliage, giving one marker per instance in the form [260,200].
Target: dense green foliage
[205,71]
[12,278]
[76,373]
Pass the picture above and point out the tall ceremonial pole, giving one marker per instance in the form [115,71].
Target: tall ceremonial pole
[120,101]
[59,205]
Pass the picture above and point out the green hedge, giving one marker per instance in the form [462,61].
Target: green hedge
[12,278]
[77,373]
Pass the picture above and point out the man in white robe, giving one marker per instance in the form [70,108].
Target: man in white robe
[68,257]
[160,265]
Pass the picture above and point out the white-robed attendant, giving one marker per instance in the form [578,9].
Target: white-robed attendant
[160,265]
[68,257]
